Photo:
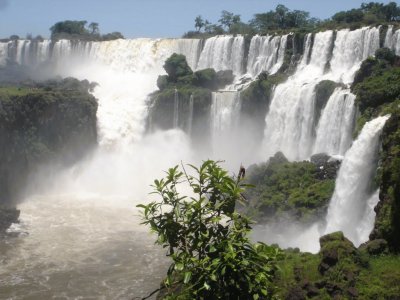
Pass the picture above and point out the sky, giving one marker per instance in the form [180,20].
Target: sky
[145,18]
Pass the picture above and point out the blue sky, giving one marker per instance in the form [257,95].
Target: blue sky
[144,18]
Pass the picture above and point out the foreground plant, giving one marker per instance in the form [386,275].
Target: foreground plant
[207,240]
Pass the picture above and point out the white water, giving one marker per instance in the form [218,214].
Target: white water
[289,123]
[225,112]
[336,124]
[92,203]
[176,110]
[392,40]
[349,207]
[190,116]
[223,53]
[266,53]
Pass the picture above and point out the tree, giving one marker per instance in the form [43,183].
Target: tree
[206,239]
[176,66]
[281,14]
[199,23]
[94,28]
[228,19]
[68,27]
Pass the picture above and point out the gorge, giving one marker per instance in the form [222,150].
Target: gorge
[139,135]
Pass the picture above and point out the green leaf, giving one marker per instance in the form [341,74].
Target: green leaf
[187,277]
[179,267]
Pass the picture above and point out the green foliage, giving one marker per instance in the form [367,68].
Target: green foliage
[176,66]
[381,279]
[369,13]
[206,78]
[77,30]
[206,239]
[295,188]
[228,19]
[199,23]
[281,18]
[377,87]
[69,27]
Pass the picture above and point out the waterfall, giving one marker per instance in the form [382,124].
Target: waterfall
[392,40]
[4,56]
[349,205]
[225,108]
[350,49]
[336,123]
[223,53]
[266,53]
[176,110]
[190,116]
[289,123]
[307,50]
[389,37]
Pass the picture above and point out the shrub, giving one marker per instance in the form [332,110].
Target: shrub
[206,239]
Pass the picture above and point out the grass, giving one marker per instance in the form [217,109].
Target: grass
[16,91]
[381,280]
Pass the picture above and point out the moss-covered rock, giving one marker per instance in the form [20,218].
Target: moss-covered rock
[299,189]
[323,91]
[334,247]
[51,121]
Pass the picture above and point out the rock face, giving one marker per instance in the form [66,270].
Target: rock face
[334,247]
[47,122]
[387,222]
[300,190]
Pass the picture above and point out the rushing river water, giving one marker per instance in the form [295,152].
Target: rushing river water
[79,248]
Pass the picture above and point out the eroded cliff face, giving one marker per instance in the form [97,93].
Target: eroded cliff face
[51,122]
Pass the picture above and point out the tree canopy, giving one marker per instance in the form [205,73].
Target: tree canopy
[78,30]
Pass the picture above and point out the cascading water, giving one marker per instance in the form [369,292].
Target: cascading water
[349,206]
[101,258]
[335,126]
[289,122]
[176,110]
[103,251]
[225,108]
[223,53]
[362,43]
[392,40]
[266,53]
[190,115]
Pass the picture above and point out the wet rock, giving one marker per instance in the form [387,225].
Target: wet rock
[7,217]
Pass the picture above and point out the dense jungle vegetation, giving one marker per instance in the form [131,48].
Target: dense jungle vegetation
[284,20]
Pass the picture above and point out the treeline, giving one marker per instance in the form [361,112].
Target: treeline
[73,30]
[284,19]
[81,30]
